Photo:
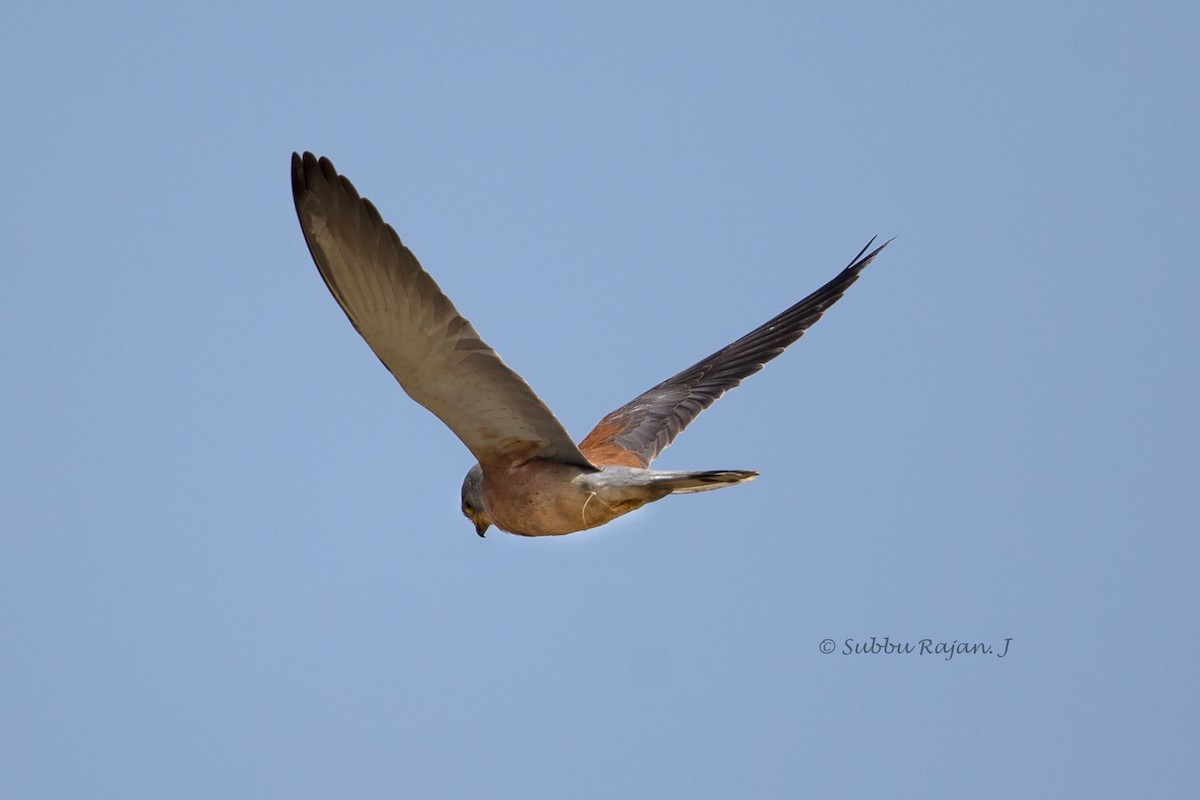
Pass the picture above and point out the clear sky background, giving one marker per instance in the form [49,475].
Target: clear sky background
[232,562]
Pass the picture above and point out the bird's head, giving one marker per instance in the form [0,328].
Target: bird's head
[472,500]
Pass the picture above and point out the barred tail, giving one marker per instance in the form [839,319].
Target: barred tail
[701,481]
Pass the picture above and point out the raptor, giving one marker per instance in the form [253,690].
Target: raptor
[530,477]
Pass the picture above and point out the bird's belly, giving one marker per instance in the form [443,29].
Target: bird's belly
[542,498]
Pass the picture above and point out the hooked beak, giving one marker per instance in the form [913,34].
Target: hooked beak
[480,527]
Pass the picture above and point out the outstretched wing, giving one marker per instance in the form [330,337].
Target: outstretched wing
[638,431]
[414,329]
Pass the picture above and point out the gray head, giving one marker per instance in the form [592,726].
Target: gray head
[472,500]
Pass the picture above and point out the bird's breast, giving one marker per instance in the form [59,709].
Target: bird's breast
[543,498]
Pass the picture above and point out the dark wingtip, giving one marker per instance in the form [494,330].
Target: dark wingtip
[860,261]
[298,182]
[305,164]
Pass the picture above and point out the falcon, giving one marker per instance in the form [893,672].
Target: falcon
[530,477]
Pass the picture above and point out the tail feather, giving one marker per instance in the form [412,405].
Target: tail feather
[681,482]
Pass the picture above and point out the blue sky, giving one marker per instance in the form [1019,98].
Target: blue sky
[232,562]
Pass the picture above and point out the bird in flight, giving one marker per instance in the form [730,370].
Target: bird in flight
[530,477]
